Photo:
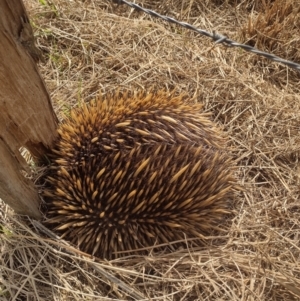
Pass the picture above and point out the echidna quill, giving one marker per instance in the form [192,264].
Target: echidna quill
[132,171]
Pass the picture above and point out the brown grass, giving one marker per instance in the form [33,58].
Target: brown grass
[93,46]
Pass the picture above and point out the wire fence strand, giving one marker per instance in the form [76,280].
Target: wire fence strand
[217,38]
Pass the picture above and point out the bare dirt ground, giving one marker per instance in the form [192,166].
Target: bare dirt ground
[96,46]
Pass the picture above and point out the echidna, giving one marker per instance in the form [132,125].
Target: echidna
[131,171]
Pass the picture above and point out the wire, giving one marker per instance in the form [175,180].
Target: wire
[217,38]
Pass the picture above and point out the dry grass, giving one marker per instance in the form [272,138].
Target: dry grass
[91,46]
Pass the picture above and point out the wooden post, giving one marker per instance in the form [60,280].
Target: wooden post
[26,114]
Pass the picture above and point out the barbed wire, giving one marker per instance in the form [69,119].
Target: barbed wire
[217,38]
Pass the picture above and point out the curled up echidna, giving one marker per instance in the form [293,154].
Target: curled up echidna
[131,171]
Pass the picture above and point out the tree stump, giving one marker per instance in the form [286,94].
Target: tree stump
[27,117]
